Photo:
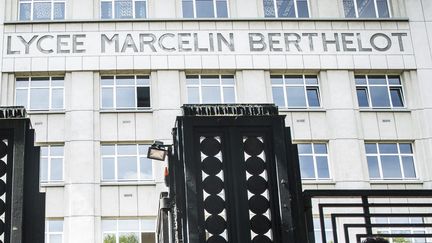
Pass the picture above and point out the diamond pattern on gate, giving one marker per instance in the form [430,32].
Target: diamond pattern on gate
[3,170]
[257,186]
[213,189]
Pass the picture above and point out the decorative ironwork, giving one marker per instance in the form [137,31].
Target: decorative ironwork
[230,110]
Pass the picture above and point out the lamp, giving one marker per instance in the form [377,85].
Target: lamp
[157,151]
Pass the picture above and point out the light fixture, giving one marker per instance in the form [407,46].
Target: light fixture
[158,151]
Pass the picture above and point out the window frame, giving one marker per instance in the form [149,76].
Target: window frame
[49,157]
[50,88]
[220,85]
[117,232]
[133,9]
[138,156]
[389,87]
[377,15]
[305,89]
[314,157]
[295,10]
[48,233]
[378,155]
[214,10]
[20,2]
[114,93]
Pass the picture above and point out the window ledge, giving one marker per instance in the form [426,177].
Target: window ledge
[318,182]
[302,110]
[384,110]
[127,111]
[129,183]
[205,19]
[401,181]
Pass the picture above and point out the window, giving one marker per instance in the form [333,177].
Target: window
[366,8]
[286,8]
[313,158]
[51,165]
[126,162]
[123,9]
[53,231]
[328,230]
[41,9]
[390,161]
[205,9]
[210,89]
[128,230]
[40,93]
[379,91]
[295,91]
[401,230]
[125,92]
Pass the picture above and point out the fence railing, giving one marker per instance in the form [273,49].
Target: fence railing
[344,216]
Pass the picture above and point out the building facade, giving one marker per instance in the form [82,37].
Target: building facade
[103,79]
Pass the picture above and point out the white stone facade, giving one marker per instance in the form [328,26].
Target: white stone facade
[82,200]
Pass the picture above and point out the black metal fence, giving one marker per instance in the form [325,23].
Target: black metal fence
[344,216]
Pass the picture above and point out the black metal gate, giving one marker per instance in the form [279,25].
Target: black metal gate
[238,184]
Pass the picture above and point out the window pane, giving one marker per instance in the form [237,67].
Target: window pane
[408,166]
[377,79]
[302,9]
[405,148]
[59,11]
[371,148]
[140,9]
[296,97]
[106,10]
[362,97]
[269,10]
[285,8]
[107,98]
[366,8]
[25,11]
[322,167]
[125,97]
[44,169]
[320,148]
[146,168]
[222,8]
[128,225]
[211,95]
[193,95]
[57,99]
[388,148]
[21,97]
[396,97]
[42,11]
[123,9]
[39,99]
[127,168]
[391,167]
[143,96]
[56,169]
[307,167]
[128,238]
[379,97]
[204,8]
[373,167]
[383,9]
[229,95]
[304,148]
[313,97]
[278,96]
[108,166]
[188,9]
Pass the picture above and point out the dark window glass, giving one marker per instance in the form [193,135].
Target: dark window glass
[143,96]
